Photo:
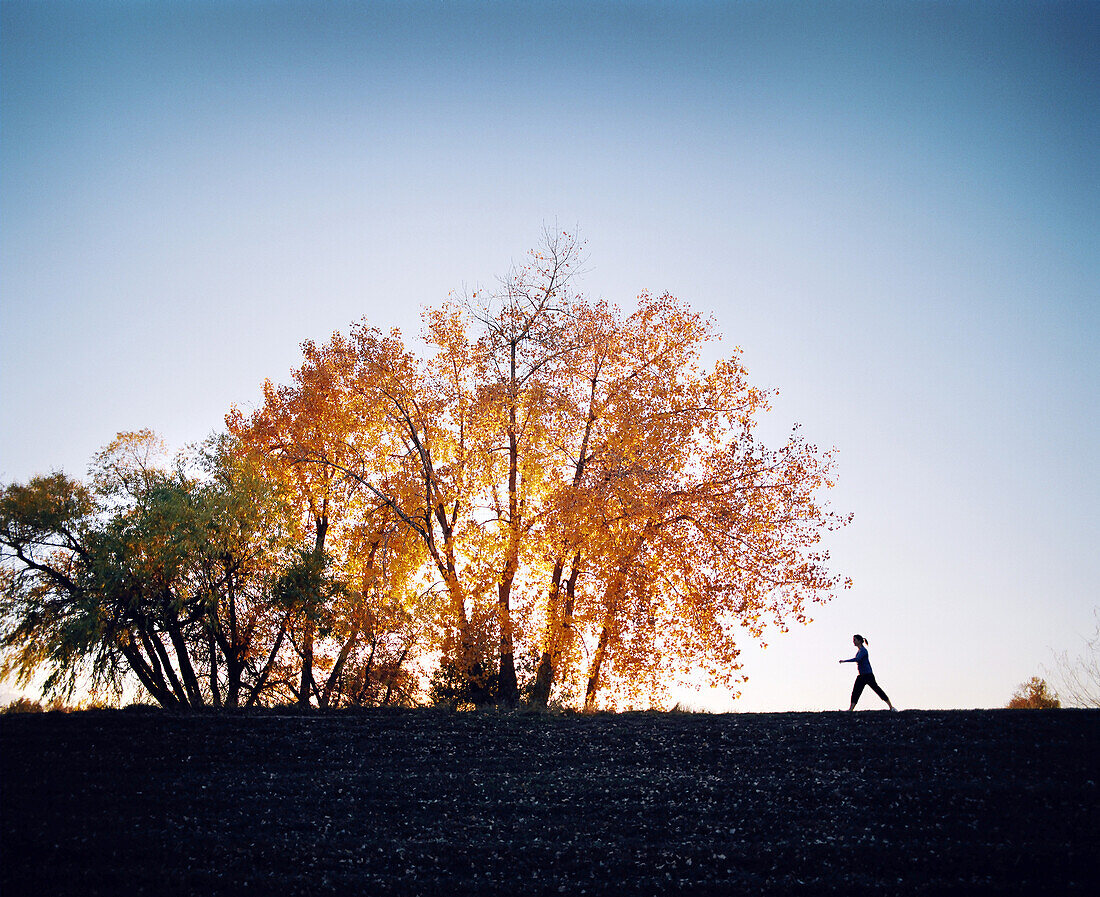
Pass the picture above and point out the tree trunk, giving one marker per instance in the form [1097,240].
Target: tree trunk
[466,660]
[357,628]
[233,662]
[155,648]
[367,670]
[153,682]
[507,687]
[187,671]
[612,597]
[266,671]
[544,675]
[559,631]
[215,694]
[594,670]
[233,683]
[306,684]
[393,676]
[555,638]
[338,667]
[565,634]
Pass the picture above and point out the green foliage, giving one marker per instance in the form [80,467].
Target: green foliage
[161,573]
[48,613]
[309,586]
[466,675]
[46,508]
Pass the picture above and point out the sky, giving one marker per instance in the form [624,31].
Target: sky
[893,209]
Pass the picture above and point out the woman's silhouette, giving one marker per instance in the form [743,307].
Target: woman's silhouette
[865,677]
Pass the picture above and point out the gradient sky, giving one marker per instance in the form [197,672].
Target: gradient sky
[892,208]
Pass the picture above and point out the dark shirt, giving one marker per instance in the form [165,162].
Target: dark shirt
[861,662]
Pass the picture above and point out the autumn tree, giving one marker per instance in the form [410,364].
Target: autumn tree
[663,510]
[1034,694]
[420,452]
[527,329]
[302,420]
[297,437]
[576,485]
[353,584]
[420,445]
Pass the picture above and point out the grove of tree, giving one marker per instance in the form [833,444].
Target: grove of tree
[550,500]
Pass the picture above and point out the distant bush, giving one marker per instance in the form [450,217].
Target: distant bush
[1034,694]
[141,707]
[23,705]
[26,705]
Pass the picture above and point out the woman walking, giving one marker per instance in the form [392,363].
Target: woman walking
[865,677]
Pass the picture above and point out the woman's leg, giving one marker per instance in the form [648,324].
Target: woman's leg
[878,691]
[857,690]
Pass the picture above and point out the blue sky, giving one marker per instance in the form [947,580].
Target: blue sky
[892,208]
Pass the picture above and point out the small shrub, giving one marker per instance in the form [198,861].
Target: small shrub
[1034,694]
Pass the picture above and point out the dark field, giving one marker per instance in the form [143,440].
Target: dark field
[426,802]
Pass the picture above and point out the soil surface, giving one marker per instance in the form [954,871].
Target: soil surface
[428,802]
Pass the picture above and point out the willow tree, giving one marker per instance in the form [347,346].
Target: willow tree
[153,571]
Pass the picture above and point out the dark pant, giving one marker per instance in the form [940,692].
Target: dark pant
[867,679]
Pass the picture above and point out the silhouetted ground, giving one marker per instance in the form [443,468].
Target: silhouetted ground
[426,802]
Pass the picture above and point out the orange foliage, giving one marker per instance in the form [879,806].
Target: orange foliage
[1034,694]
[565,482]
[309,436]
